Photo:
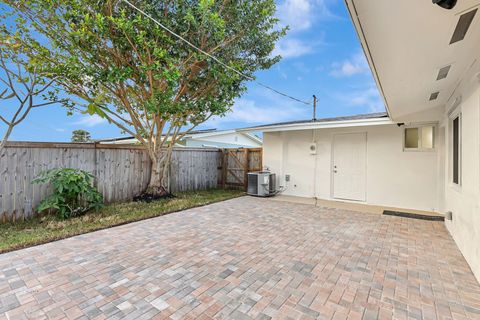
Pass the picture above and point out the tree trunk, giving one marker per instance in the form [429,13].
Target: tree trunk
[159,175]
[5,137]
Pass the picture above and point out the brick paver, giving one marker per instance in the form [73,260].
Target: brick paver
[246,258]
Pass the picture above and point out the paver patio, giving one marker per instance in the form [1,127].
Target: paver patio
[246,258]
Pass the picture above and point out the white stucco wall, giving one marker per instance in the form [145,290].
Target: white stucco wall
[464,200]
[395,178]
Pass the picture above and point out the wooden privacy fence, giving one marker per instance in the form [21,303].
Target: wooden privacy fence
[121,171]
[237,163]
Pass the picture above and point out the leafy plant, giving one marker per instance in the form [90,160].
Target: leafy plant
[119,64]
[73,193]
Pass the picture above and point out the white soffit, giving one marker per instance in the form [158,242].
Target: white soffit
[407,42]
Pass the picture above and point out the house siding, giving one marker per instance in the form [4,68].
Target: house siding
[464,200]
[395,177]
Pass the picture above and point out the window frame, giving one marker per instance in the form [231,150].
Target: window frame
[453,117]
[420,128]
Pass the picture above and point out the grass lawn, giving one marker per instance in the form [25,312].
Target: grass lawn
[41,230]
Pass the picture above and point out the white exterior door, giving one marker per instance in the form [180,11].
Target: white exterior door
[349,166]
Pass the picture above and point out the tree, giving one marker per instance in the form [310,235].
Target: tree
[124,67]
[81,136]
[23,85]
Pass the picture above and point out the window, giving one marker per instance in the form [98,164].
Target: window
[419,138]
[456,150]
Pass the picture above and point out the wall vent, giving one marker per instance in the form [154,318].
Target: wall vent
[443,72]
[434,96]
[463,24]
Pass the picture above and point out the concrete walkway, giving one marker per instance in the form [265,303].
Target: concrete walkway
[246,258]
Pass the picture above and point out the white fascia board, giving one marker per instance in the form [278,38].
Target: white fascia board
[322,125]
[209,134]
[252,137]
[223,133]
[366,50]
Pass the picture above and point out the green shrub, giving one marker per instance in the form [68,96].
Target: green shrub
[73,193]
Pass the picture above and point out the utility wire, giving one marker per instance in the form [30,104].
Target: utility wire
[213,57]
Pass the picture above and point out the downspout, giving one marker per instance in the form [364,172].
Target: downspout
[284,157]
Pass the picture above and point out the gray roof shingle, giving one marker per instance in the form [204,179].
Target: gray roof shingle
[344,118]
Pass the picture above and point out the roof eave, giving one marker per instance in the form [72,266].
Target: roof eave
[366,50]
[254,138]
[321,125]
[209,134]
[225,132]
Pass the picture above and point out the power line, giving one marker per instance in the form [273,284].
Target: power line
[213,57]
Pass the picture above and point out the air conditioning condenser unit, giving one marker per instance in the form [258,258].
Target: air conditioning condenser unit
[262,184]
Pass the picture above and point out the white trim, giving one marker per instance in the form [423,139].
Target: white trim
[321,125]
[208,134]
[220,133]
[453,109]
[366,50]
[454,115]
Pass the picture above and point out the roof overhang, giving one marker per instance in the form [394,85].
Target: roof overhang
[320,125]
[407,42]
[224,132]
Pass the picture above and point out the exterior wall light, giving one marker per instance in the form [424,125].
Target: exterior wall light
[446,4]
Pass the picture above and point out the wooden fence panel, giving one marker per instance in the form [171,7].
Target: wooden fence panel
[237,163]
[121,172]
[194,169]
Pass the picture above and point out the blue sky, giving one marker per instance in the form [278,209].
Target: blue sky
[321,56]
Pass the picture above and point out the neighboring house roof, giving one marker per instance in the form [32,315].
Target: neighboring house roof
[210,134]
[379,118]
[196,134]
[133,138]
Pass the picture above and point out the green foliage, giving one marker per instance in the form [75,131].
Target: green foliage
[24,84]
[73,193]
[81,136]
[119,61]
[122,66]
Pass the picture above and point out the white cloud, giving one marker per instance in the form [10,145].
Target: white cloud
[357,64]
[250,112]
[297,14]
[90,121]
[301,15]
[301,67]
[363,97]
[282,73]
[292,48]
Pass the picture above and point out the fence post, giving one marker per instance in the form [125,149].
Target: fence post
[224,167]
[95,165]
[220,168]
[246,167]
